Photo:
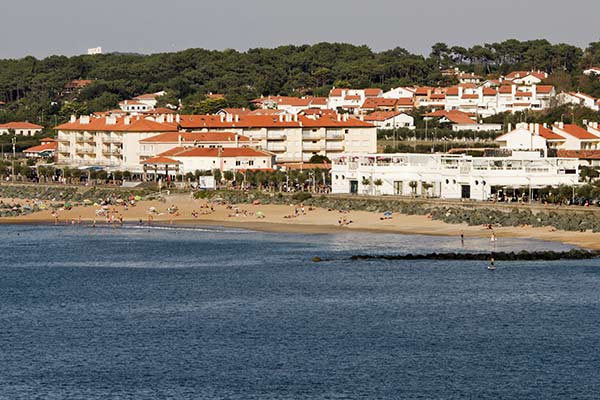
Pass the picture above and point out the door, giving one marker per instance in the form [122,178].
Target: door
[353,187]
[398,188]
[465,191]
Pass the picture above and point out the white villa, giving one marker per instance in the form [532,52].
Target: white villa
[448,176]
[20,128]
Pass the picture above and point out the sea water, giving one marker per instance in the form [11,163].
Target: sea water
[209,313]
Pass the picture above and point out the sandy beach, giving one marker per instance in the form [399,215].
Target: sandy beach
[285,218]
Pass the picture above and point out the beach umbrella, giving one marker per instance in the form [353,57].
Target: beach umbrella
[260,214]
[256,202]
[138,198]
[87,202]
[67,205]
[387,214]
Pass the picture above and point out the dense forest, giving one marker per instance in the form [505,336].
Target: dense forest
[34,89]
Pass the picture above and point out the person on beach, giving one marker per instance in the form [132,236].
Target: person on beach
[462,239]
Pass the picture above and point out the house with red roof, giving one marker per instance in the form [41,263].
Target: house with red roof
[154,145]
[577,137]
[390,120]
[20,128]
[527,77]
[46,148]
[528,137]
[461,121]
[190,159]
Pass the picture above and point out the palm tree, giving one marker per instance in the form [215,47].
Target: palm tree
[378,182]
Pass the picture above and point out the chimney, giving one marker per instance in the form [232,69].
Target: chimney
[339,117]
[584,122]
[460,92]
[160,119]
[222,117]
[545,125]
[295,117]
[280,117]
[84,119]
[237,139]
[179,140]
[170,118]
[237,118]
[111,120]
[537,129]
[561,125]
[509,127]
[73,119]
[177,118]
[127,120]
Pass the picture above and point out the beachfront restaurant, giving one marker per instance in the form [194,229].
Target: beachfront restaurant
[450,176]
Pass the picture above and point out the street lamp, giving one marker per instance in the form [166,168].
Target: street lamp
[14,142]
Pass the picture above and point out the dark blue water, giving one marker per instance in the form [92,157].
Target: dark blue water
[224,314]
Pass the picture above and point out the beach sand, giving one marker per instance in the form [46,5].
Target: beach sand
[276,219]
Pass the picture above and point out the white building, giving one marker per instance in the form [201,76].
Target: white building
[390,120]
[580,99]
[109,141]
[142,103]
[531,137]
[527,77]
[592,71]
[94,51]
[448,176]
[293,138]
[20,128]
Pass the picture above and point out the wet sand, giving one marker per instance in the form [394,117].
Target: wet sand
[290,218]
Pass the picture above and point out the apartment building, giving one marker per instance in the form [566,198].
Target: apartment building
[107,141]
[292,138]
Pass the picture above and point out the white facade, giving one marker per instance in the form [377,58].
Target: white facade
[448,176]
[522,139]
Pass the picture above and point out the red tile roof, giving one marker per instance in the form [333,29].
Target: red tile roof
[549,135]
[454,116]
[377,102]
[20,125]
[336,92]
[381,115]
[191,137]
[42,147]
[544,88]
[373,92]
[577,132]
[160,160]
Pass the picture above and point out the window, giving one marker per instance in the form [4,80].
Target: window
[346,130]
[238,163]
[251,162]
